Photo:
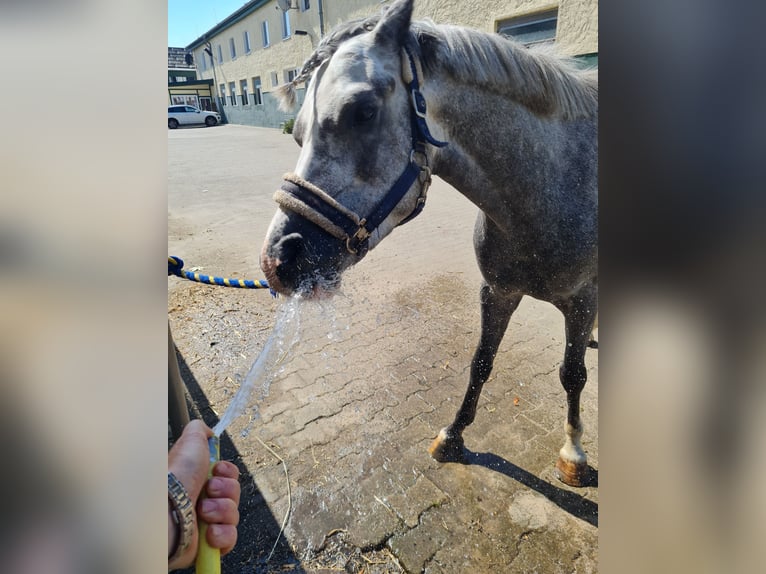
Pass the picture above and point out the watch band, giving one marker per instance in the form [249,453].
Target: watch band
[182,511]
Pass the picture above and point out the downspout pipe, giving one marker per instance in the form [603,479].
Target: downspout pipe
[321,20]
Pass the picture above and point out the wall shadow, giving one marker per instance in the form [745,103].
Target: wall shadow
[258,528]
[573,503]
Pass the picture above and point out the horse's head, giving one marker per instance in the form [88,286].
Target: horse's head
[362,169]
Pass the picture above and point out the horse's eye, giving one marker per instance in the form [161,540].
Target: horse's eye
[364,114]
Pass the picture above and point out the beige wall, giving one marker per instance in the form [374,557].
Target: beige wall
[280,55]
[577,29]
[577,32]
[578,26]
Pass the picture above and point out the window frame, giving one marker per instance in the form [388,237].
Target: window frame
[243,92]
[232,49]
[289,74]
[257,91]
[265,33]
[526,21]
[233,95]
[246,41]
[286,28]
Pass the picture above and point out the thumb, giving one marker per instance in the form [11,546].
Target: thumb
[189,457]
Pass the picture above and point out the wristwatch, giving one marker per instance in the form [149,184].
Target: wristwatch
[182,511]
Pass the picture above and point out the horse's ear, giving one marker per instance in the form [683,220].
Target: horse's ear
[394,24]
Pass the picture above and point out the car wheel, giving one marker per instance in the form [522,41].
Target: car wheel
[210,121]
[172,123]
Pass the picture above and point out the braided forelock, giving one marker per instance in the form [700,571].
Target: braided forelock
[327,47]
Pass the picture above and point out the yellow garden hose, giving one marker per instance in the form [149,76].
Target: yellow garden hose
[208,558]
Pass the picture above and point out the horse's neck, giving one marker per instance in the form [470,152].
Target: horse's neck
[501,156]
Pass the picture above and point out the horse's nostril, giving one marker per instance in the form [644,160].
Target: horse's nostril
[288,248]
[279,262]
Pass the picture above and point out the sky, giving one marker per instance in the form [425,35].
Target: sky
[189,19]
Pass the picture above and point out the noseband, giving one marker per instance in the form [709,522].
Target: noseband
[310,202]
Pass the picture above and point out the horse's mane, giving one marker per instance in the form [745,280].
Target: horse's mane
[539,78]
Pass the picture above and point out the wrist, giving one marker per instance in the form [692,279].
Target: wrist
[180,519]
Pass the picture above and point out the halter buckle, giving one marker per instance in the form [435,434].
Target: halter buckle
[361,235]
[418,103]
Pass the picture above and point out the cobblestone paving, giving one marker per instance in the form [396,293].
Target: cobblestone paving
[376,373]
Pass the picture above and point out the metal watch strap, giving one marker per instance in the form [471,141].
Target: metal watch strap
[182,511]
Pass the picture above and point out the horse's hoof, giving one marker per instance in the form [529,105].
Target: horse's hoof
[447,447]
[572,473]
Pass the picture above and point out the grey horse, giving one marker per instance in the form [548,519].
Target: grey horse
[390,101]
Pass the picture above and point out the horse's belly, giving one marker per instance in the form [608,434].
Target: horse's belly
[547,278]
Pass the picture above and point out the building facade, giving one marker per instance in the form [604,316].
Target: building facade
[183,85]
[260,46]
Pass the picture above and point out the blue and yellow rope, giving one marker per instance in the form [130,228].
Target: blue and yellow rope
[176,264]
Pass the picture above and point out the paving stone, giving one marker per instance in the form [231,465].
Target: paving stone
[409,505]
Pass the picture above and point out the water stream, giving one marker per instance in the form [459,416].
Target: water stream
[258,381]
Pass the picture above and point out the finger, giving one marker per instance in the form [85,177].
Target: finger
[219,511]
[198,426]
[223,536]
[226,469]
[219,487]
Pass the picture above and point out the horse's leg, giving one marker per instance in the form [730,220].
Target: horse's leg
[496,310]
[579,315]
[593,343]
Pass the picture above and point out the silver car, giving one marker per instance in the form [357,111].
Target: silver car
[188,115]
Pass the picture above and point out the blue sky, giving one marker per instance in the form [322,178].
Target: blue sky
[189,19]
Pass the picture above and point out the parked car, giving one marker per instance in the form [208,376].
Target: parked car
[188,115]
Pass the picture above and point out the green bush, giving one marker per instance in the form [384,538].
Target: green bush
[287,127]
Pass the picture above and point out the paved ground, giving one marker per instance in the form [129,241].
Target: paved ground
[374,376]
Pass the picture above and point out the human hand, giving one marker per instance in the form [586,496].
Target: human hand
[189,461]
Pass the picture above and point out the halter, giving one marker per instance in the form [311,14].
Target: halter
[310,202]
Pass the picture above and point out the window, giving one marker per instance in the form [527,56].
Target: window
[220,54]
[285,25]
[233,93]
[274,79]
[304,4]
[232,48]
[290,75]
[265,33]
[257,95]
[202,62]
[531,29]
[246,38]
[243,89]
[223,93]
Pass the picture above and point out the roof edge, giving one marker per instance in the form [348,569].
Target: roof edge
[227,22]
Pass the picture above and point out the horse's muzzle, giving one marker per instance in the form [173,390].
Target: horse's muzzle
[291,269]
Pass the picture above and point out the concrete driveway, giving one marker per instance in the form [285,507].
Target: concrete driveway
[341,439]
